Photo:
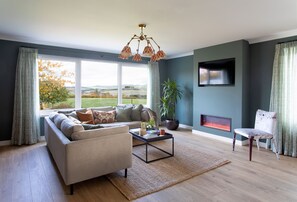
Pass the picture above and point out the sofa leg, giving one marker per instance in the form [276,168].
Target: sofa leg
[71,189]
[126,171]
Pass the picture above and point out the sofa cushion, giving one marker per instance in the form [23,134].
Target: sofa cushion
[68,127]
[85,117]
[74,119]
[91,126]
[58,119]
[131,124]
[103,116]
[73,114]
[105,109]
[136,112]
[123,114]
[52,116]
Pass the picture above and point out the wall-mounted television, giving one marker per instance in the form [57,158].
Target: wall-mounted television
[216,72]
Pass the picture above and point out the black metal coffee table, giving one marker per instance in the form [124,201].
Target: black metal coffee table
[147,139]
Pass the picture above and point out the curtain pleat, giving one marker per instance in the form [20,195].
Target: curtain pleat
[154,89]
[26,127]
[283,98]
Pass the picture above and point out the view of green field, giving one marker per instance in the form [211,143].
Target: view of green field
[96,102]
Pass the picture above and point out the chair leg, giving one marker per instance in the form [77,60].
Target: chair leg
[234,139]
[276,148]
[251,146]
[126,172]
[258,146]
[71,189]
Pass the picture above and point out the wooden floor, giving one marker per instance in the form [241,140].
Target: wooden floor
[28,173]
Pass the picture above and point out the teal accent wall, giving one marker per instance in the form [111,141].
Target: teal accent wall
[181,70]
[223,101]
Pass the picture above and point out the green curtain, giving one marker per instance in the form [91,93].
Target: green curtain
[26,127]
[154,89]
[283,98]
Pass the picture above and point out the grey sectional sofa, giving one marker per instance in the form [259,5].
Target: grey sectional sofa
[82,154]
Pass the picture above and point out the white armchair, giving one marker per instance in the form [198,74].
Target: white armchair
[265,127]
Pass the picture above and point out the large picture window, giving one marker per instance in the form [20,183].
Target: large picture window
[73,83]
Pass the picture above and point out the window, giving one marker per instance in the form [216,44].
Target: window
[134,84]
[56,84]
[99,84]
[75,83]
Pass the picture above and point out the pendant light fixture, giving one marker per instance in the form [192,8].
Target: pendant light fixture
[148,50]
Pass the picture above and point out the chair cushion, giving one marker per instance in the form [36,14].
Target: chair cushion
[250,132]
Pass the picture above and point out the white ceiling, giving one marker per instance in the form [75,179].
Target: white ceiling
[178,26]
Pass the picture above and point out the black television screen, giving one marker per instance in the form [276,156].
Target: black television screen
[217,72]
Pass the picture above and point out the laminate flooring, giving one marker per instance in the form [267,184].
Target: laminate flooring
[28,173]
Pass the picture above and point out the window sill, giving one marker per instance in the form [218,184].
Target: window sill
[46,112]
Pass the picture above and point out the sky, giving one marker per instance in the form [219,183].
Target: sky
[105,74]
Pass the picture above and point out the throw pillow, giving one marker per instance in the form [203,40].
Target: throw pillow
[136,112]
[90,126]
[104,117]
[86,117]
[68,127]
[123,114]
[58,119]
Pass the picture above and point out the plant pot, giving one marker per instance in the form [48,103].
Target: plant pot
[172,124]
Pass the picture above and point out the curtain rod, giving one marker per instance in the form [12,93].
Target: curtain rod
[295,40]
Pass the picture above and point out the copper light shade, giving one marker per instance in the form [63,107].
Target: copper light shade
[148,50]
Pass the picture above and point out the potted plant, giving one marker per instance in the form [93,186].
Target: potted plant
[171,93]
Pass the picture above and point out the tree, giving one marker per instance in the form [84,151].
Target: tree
[52,80]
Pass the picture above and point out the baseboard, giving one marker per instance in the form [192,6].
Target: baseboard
[185,126]
[5,143]
[220,138]
[226,139]
[8,142]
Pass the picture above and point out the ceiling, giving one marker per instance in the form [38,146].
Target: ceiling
[178,26]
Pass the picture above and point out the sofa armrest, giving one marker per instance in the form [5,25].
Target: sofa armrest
[89,158]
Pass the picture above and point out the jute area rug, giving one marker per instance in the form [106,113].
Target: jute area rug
[145,178]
